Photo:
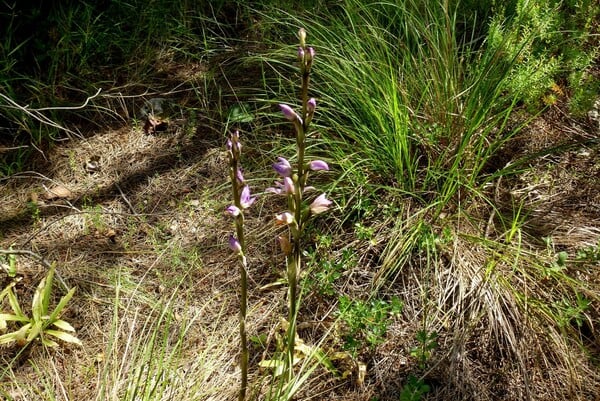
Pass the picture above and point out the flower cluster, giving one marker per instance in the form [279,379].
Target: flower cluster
[242,200]
[293,182]
[241,193]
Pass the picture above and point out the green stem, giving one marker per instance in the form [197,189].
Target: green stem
[294,261]
[293,268]
[239,225]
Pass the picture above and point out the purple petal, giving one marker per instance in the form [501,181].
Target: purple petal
[276,191]
[232,210]
[317,165]
[283,167]
[288,112]
[320,205]
[234,244]
[288,184]
[285,218]
[245,200]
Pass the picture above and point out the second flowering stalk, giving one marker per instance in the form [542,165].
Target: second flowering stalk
[293,185]
[242,200]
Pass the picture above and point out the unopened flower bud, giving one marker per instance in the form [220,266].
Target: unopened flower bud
[239,177]
[300,54]
[302,37]
[288,112]
[310,55]
[318,165]
[311,105]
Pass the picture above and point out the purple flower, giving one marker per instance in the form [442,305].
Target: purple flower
[317,165]
[276,189]
[245,200]
[288,184]
[283,167]
[239,176]
[311,105]
[234,244]
[320,205]
[300,54]
[285,218]
[232,210]
[288,112]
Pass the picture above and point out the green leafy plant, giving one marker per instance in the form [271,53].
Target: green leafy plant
[572,312]
[366,321]
[43,322]
[427,343]
[326,270]
[589,254]
[11,266]
[414,389]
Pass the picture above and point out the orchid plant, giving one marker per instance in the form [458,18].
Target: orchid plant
[242,201]
[293,185]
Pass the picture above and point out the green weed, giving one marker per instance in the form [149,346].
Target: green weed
[43,323]
[365,323]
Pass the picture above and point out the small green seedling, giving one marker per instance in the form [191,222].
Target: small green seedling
[366,321]
[414,389]
[11,267]
[43,323]
[427,343]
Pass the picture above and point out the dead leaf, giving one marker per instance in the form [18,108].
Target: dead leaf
[58,192]
[111,235]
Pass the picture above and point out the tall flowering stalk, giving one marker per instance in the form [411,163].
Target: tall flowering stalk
[242,200]
[293,185]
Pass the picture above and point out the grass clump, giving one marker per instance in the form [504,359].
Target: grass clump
[421,107]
